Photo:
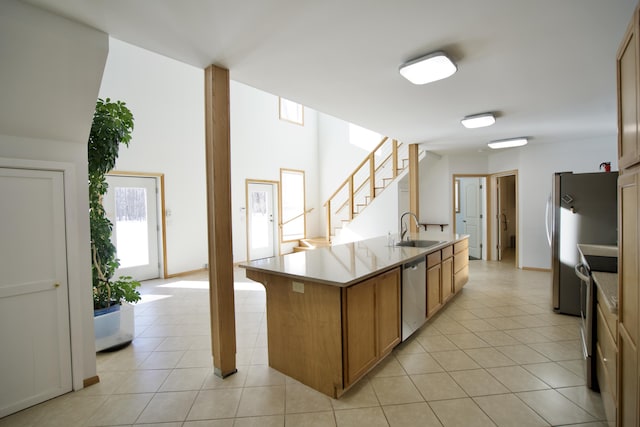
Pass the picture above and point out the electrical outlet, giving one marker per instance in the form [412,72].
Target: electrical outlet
[297,287]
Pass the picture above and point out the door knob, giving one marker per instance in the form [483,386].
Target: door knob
[56,285]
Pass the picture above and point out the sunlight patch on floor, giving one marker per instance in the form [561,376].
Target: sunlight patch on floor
[146,298]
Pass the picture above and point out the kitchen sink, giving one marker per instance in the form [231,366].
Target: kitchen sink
[419,243]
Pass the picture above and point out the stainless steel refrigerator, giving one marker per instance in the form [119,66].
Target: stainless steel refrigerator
[582,208]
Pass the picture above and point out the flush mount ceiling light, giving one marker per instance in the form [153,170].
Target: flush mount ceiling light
[428,68]
[506,143]
[478,120]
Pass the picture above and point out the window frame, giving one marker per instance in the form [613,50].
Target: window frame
[299,122]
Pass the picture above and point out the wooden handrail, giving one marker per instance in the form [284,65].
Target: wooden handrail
[346,181]
[295,217]
[368,177]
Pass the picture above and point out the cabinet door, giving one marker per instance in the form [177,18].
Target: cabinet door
[447,279]
[434,298]
[628,298]
[360,345]
[628,380]
[388,310]
[627,79]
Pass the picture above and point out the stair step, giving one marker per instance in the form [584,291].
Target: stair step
[311,243]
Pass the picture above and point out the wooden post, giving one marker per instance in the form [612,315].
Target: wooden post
[218,161]
[351,204]
[329,220]
[394,157]
[372,177]
[414,185]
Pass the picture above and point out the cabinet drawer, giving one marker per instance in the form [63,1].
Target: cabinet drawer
[433,259]
[460,246]
[460,260]
[447,252]
[610,319]
[608,348]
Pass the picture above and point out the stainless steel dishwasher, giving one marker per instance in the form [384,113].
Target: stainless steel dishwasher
[414,296]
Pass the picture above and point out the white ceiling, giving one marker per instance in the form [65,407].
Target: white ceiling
[547,67]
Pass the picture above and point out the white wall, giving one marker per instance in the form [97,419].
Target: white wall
[337,156]
[261,144]
[166,98]
[535,169]
[49,80]
[435,190]
[535,164]
[380,218]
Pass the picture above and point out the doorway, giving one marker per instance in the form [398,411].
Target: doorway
[506,202]
[131,204]
[35,361]
[470,212]
[262,218]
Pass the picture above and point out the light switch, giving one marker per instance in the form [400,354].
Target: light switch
[298,287]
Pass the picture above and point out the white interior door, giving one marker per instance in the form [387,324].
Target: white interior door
[35,349]
[501,219]
[131,206]
[261,221]
[472,220]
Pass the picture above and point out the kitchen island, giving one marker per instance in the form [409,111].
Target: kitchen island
[334,313]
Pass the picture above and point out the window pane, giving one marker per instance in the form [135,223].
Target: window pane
[293,204]
[132,240]
[291,111]
[259,220]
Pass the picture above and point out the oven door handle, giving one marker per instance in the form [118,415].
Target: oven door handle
[582,273]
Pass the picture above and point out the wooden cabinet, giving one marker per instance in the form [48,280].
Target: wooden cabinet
[628,295]
[460,264]
[371,323]
[434,283]
[360,330]
[328,337]
[627,79]
[606,363]
[447,273]
[388,321]
[440,275]
[628,363]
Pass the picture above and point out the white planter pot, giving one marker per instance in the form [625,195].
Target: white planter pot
[114,329]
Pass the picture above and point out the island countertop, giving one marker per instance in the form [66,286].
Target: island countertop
[346,264]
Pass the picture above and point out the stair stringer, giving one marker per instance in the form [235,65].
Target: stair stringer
[379,218]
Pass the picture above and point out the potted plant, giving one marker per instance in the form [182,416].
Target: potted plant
[112,125]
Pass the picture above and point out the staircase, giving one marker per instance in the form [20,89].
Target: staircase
[311,243]
[388,161]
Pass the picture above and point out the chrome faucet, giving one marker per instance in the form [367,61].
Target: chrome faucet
[403,228]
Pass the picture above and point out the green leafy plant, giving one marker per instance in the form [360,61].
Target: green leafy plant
[112,125]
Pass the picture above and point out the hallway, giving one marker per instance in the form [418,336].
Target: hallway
[495,355]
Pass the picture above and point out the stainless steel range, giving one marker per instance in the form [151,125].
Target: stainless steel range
[592,258]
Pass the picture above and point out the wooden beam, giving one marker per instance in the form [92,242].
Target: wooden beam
[414,185]
[218,161]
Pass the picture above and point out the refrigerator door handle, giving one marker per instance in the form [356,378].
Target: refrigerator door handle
[547,219]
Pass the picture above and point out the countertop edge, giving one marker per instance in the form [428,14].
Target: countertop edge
[608,284]
[421,252]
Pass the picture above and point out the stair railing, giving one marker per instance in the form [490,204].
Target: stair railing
[368,179]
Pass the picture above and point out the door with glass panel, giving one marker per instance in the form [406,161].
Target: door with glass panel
[261,220]
[132,207]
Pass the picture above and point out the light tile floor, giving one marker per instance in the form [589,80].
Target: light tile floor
[495,355]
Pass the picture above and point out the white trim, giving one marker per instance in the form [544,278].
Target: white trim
[76,323]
